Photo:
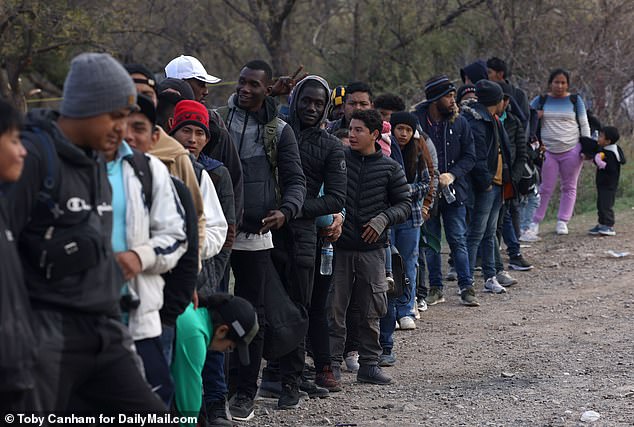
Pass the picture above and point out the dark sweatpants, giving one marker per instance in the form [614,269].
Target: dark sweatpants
[358,276]
[87,361]
[605,206]
[251,270]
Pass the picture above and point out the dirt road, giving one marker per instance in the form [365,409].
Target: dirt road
[556,345]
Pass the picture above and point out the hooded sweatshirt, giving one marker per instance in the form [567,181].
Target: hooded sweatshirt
[476,71]
[83,198]
[179,164]
[323,160]
[261,183]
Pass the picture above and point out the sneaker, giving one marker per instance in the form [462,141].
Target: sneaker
[422,305]
[397,326]
[407,323]
[492,285]
[529,236]
[352,361]
[415,311]
[386,360]
[435,296]
[505,279]
[452,276]
[518,263]
[607,231]
[468,298]
[217,414]
[273,390]
[289,399]
[241,407]
[372,374]
[561,228]
[313,390]
[534,228]
[336,371]
[327,380]
[595,230]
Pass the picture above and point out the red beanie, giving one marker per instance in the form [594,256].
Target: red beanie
[190,113]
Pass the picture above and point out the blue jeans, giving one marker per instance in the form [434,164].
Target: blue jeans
[214,384]
[406,238]
[167,341]
[386,327]
[528,206]
[484,220]
[454,220]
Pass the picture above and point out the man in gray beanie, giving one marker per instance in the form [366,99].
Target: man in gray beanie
[62,212]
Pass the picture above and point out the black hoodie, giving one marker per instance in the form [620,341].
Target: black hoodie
[83,197]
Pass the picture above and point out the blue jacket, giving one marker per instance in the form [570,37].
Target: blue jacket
[455,149]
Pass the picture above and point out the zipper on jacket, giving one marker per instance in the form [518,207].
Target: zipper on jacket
[358,201]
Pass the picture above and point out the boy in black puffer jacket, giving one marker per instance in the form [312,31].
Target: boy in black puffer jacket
[378,197]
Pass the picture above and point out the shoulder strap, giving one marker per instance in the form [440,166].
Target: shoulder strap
[49,191]
[574,98]
[542,101]
[198,169]
[141,165]
[270,148]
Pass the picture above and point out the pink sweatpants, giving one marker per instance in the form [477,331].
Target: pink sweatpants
[567,166]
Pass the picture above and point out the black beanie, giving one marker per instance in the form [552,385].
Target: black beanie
[403,118]
[463,90]
[489,93]
[437,87]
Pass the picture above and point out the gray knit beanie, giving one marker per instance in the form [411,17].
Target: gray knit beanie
[96,84]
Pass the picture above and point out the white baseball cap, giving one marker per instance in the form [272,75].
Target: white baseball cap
[188,67]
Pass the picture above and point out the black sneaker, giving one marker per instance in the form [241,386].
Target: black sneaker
[518,263]
[435,296]
[313,390]
[289,399]
[241,407]
[217,414]
[273,390]
[372,374]
[468,298]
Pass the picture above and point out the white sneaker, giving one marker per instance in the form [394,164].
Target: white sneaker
[529,236]
[352,361]
[415,311]
[561,228]
[534,228]
[422,305]
[407,323]
[492,285]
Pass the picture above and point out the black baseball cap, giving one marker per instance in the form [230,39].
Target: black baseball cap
[176,85]
[146,107]
[240,316]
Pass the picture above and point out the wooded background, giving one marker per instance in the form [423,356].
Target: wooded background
[394,45]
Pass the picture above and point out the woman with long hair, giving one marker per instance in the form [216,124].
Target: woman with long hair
[562,120]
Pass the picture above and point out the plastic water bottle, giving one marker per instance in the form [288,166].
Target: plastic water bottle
[327,254]
[449,194]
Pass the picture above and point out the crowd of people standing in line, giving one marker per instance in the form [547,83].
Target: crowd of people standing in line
[125,213]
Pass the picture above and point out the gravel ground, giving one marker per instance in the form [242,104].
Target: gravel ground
[556,345]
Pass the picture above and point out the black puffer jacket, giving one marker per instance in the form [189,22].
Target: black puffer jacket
[84,199]
[376,184]
[17,343]
[323,163]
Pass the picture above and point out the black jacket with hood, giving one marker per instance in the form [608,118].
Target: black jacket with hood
[324,163]
[260,187]
[376,184]
[83,203]
[489,137]
[17,342]
[456,152]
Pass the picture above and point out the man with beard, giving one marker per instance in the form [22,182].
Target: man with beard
[453,141]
